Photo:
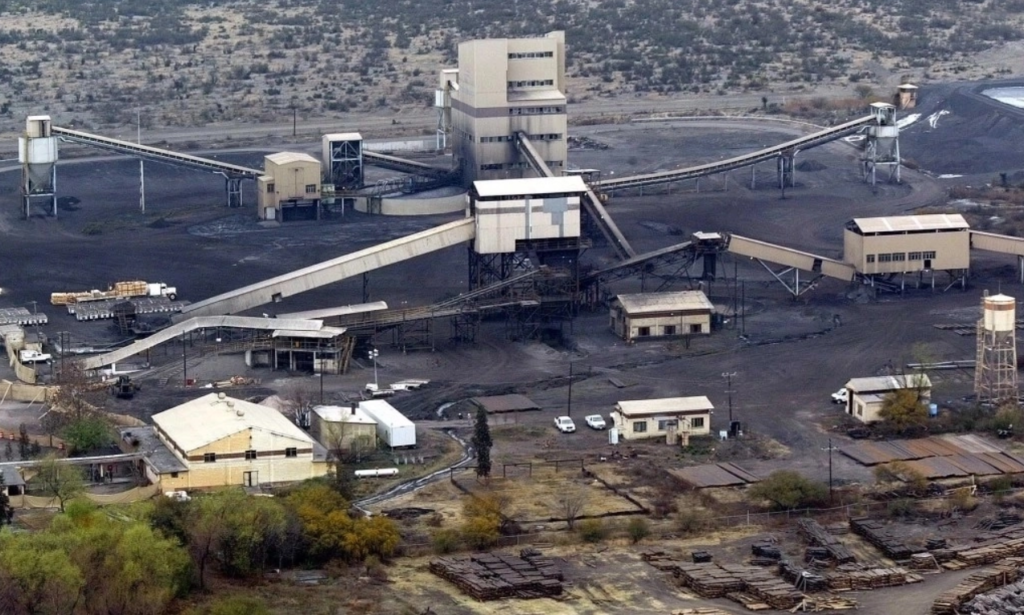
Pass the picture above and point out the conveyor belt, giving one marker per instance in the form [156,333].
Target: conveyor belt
[402,164]
[664,177]
[155,153]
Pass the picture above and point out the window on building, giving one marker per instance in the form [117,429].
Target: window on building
[310,188]
[697,422]
[491,167]
[643,331]
[870,258]
[669,330]
[270,188]
[899,257]
[291,452]
[209,457]
[174,475]
[250,455]
[884,258]
[639,426]
[696,328]
[914,256]
[666,424]
[929,255]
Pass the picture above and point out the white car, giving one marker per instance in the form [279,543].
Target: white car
[565,424]
[595,421]
[841,396]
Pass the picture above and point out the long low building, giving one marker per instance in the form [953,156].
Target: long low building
[651,315]
[393,428]
[639,419]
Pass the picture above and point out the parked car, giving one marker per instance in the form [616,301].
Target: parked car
[565,424]
[841,396]
[595,421]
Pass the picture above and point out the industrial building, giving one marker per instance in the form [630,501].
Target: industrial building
[881,248]
[289,188]
[341,428]
[865,396]
[216,441]
[670,418]
[503,87]
[343,160]
[394,430]
[514,210]
[656,315]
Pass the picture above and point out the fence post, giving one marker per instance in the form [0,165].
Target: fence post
[748,518]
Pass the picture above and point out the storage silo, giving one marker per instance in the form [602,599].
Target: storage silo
[995,373]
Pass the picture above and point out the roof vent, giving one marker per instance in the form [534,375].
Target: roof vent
[230,404]
[221,396]
[240,412]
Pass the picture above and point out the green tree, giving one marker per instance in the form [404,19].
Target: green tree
[482,444]
[903,410]
[6,511]
[787,490]
[59,480]
[638,529]
[23,442]
[86,434]
[235,605]
[36,575]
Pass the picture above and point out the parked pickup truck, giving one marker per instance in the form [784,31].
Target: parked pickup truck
[373,391]
[841,396]
[33,356]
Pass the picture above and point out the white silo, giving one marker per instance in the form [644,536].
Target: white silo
[995,374]
[37,153]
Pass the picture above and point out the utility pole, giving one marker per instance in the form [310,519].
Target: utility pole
[728,379]
[321,381]
[142,163]
[568,411]
[831,494]
[184,364]
[295,120]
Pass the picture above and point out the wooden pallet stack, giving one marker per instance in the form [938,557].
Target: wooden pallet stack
[774,592]
[853,577]
[709,580]
[991,552]
[662,560]
[491,576]
[875,532]
[817,536]
[980,582]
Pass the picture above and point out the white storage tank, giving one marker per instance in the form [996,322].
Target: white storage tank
[376,472]
[1000,313]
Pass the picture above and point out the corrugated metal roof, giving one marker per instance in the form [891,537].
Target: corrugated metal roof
[888,383]
[343,414]
[533,186]
[505,403]
[664,405]
[289,157]
[343,136]
[648,303]
[209,418]
[384,412]
[714,475]
[900,224]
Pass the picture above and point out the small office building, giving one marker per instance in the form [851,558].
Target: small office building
[908,244]
[289,188]
[639,419]
[343,428]
[865,396]
[657,315]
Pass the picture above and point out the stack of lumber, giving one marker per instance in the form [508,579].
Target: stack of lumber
[817,536]
[1007,600]
[545,565]
[849,577]
[923,561]
[965,556]
[776,593]
[493,576]
[875,532]
[662,560]
[802,579]
[710,580]
[978,583]
[824,603]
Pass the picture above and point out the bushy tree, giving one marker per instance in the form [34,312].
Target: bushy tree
[88,433]
[482,444]
[329,532]
[788,490]
[903,410]
[59,480]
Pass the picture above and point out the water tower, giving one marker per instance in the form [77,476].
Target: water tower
[882,151]
[995,373]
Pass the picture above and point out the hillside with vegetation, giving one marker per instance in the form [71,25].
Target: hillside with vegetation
[189,63]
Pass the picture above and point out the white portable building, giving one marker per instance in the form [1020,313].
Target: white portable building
[393,428]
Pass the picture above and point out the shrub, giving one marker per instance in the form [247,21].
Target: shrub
[788,490]
[693,521]
[638,529]
[445,541]
[592,530]
[902,507]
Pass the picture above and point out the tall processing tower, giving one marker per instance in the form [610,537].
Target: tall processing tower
[995,373]
[504,86]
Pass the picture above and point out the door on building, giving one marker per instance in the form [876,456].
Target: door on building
[250,479]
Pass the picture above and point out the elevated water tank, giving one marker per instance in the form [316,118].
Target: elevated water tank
[1000,313]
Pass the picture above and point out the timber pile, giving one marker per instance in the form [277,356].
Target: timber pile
[1007,600]
[662,560]
[967,556]
[854,577]
[802,579]
[824,603]
[978,583]
[493,576]
[746,582]
[876,533]
[818,537]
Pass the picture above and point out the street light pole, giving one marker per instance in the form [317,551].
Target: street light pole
[373,355]
[728,379]
[831,494]
[568,411]
[142,163]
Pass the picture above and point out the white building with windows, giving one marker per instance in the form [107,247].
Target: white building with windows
[216,441]
[504,86]
[668,417]
[658,315]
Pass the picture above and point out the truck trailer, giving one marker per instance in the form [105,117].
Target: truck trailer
[117,290]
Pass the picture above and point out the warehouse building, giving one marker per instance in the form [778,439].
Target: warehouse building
[669,418]
[343,429]
[394,430]
[866,396]
[504,86]
[216,441]
[658,315]
[289,188]
[882,247]
[524,210]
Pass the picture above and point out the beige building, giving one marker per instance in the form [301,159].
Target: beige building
[290,188]
[216,441]
[513,210]
[505,86]
[653,315]
[865,396]
[344,428]
[908,244]
[669,417]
